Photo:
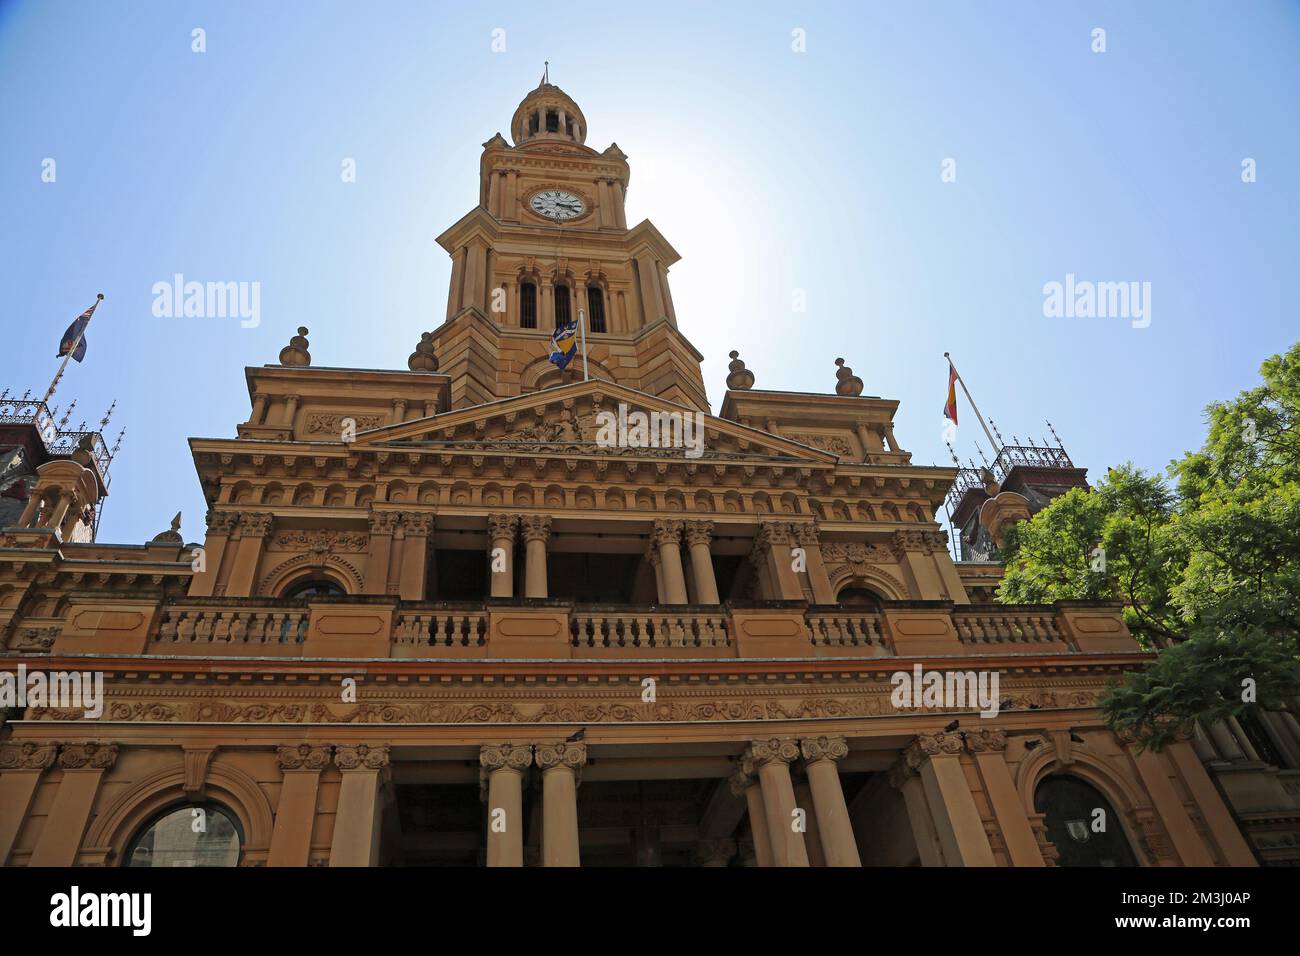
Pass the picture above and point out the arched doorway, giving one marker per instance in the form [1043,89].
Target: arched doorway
[1082,824]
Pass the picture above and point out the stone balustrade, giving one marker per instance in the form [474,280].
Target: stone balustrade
[658,629]
[387,627]
[1006,624]
[203,630]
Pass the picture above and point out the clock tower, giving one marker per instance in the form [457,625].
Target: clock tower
[549,237]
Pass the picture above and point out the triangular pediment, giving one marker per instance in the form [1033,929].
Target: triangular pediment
[594,417]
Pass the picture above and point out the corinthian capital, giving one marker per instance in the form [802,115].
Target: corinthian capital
[502,526]
[222,522]
[773,532]
[303,757]
[88,756]
[824,748]
[807,534]
[761,752]
[536,527]
[699,532]
[383,522]
[666,531]
[27,756]
[360,757]
[252,524]
[417,522]
[569,755]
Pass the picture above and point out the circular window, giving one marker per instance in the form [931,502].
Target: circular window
[191,835]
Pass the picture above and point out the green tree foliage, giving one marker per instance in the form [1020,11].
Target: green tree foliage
[1206,561]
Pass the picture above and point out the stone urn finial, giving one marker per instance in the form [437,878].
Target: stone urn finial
[740,378]
[846,382]
[423,358]
[172,535]
[295,353]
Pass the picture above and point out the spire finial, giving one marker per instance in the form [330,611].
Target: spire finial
[546,72]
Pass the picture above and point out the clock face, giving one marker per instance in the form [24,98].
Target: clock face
[557,204]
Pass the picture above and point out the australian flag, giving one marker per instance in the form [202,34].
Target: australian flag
[564,345]
[76,336]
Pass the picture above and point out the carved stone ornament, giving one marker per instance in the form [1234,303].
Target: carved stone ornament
[502,527]
[667,531]
[27,756]
[536,527]
[302,757]
[986,741]
[340,542]
[360,757]
[824,748]
[571,755]
[512,756]
[87,756]
[784,749]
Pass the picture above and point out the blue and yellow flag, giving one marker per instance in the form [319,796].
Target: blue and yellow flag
[564,345]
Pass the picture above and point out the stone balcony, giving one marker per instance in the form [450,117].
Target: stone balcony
[504,629]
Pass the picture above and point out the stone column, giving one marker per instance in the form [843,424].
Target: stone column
[772,552]
[839,846]
[290,409]
[988,748]
[457,280]
[295,814]
[812,834]
[253,529]
[560,764]
[83,768]
[771,758]
[647,272]
[417,525]
[904,778]
[221,525]
[1151,768]
[21,766]
[383,524]
[259,408]
[604,202]
[510,211]
[357,819]
[537,531]
[1218,819]
[743,783]
[698,536]
[957,820]
[501,535]
[501,776]
[620,212]
[667,536]
[819,581]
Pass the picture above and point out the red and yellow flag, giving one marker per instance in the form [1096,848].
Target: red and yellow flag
[950,409]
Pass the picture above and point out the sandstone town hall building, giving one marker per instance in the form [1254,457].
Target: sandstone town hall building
[435,621]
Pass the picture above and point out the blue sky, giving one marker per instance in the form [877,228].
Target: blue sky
[769,170]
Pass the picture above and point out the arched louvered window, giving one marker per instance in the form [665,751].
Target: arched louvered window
[561,305]
[527,305]
[596,302]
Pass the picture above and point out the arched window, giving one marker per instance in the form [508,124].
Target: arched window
[1082,823]
[201,834]
[532,122]
[596,302]
[858,597]
[561,305]
[527,306]
[314,587]
[552,121]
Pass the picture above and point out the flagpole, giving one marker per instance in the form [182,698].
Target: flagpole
[983,424]
[59,374]
[582,329]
